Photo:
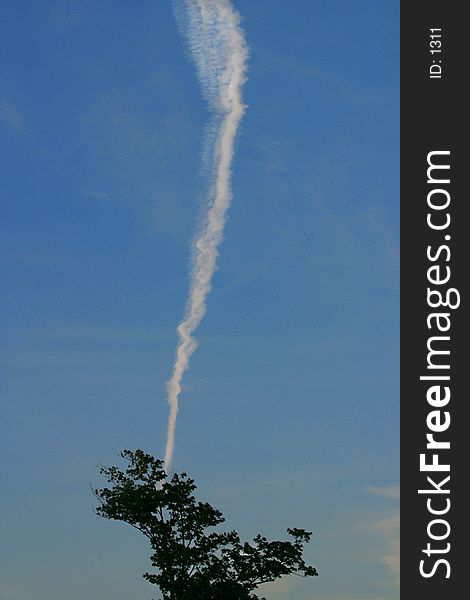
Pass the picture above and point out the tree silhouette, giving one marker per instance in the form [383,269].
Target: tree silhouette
[193,563]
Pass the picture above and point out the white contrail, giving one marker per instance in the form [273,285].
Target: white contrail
[220,53]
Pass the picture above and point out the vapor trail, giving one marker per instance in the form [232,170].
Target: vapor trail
[220,53]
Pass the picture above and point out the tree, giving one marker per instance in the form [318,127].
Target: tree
[193,563]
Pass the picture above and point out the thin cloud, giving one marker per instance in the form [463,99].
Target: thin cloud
[388,491]
[8,593]
[11,118]
[350,93]
[93,195]
[286,588]
[388,528]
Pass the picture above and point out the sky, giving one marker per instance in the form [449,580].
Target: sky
[289,412]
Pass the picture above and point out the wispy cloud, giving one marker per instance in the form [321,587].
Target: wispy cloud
[388,529]
[64,14]
[94,195]
[136,150]
[349,92]
[387,491]
[11,117]
[288,587]
[8,593]
[280,589]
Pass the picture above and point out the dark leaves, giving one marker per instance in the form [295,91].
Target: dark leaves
[192,561]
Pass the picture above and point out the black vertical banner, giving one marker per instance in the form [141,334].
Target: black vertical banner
[435,250]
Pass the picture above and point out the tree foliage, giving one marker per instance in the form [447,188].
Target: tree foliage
[192,561]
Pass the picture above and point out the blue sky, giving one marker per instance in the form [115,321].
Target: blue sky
[289,414]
